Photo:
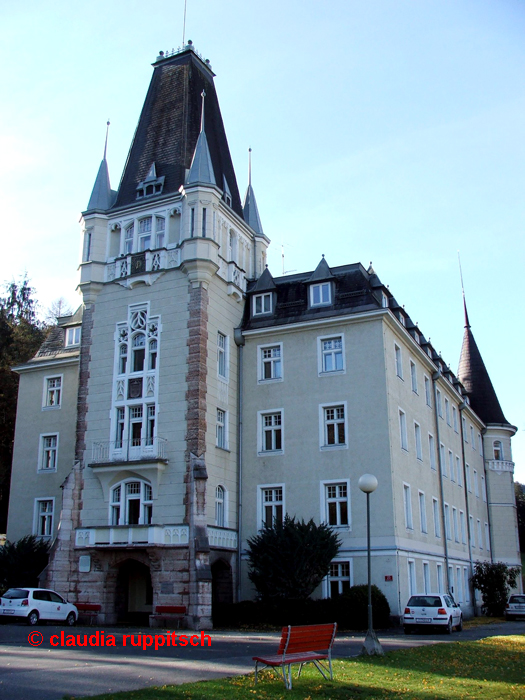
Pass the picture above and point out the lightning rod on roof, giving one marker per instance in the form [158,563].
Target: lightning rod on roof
[184,24]
[106,143]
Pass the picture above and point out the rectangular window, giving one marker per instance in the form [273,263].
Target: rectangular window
[466,586]
[73,336]
[464,425]
[320,294]
[408,507]
[411,577]
[435,515]
[52,392]
[476,484]
[467,472]
[220,507]
[399,361]
[417,436]
[271,428]
[442,458]
[487,537]
[48,452]
[128,239]
[483,489]
[455,418]
[270,362]
[334,425]
[145,234]
[472,441]
[451,465]
[432,451]
[448,530]
[440,581]
[459,585]
[451,579]
[426,577]
[222,356]
[119,436]
[339,578]
[472,533]
[221,429]
[331,354]
[422,512]
[150,425]
[459,471]
[160,223]
[480,535]
[262,304]
[455,523]
[439,403]
[447,411]
[135,425]
[272,505]
[336,501]
[463,526]
[413,376]
[403,429]
[480,444]
[428,392]
[192,222]
[204,212]
[44,517]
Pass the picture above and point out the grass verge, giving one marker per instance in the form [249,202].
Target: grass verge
[490,669]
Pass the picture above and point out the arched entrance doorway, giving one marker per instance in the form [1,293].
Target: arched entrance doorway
[221,583]
[134,593]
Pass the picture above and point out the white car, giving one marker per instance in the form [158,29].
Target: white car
[515,607]
[36,604]
[432,610]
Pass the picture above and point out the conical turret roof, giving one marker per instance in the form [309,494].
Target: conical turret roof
[102,196]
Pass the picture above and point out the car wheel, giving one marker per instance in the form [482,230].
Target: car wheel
[449,626]
[71,619]
[32,618]
[459,626]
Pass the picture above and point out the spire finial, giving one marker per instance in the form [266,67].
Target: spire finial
[203,95]
[249,166]
[467,323]
[106,143]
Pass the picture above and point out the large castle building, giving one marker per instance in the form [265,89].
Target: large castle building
[193,398]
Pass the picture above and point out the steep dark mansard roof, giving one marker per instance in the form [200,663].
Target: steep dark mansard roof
[169,126]
[475,378]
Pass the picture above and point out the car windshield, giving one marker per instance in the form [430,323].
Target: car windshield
[517,599]
[15,594]
[425,601]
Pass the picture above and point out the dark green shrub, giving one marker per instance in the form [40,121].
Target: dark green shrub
[494,580]
[21,562]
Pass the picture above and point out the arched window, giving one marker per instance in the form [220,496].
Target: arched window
[131,503]
[152,364]
[145,233]
[123,358]
[139,352]
[128,239]
[220,497]
[498,450]
[160,228]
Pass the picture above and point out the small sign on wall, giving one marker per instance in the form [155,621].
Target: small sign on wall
[389,578]
[84,563]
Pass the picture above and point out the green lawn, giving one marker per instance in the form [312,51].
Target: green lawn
[490,669]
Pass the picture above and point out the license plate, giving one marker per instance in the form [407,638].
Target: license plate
[8,612]
[519,607]
[422,619]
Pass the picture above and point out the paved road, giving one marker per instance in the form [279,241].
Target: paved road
[49,672]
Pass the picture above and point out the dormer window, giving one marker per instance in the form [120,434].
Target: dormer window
[151,184]
[73,336]
[320,294]
[262,304]
[384,300]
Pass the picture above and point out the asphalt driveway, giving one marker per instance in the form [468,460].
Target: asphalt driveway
[49,671]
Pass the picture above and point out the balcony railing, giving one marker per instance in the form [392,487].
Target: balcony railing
[134,450]
[223,538]
[500,465]
[129,535]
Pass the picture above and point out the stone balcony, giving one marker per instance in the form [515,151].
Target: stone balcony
[135,450]
[500,465]
[148,535]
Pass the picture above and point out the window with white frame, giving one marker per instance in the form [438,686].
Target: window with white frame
[413,376]
[48,453]
[333,426]
[432,451]
[412,589]
[399,361]
[331,354]
[271,431]
[222,356]
[451,465]
[52,392]
[336,503]
[320,294]
[131,503]
[439,403]
[459,585]
[466,586]
[463,527]
[339,578]
[487,537]
[480,535]
[73,336]
[129,232]
[455,523]
[439,578]
[422,512]
[472,532]
[448,529]
[426,577]
[483,489]
[476,483]
[43,523]
[436,518]
[442,458]
[403,429]
[160,230]
[467,472]
[407,502]
[272,504]
[220,506]
[459,471]
[428,392]
[447,411]
[451,578]
[222,429]
[498,450]
[145,233]
[455,418]
[270,362]
[152,357]
[480,444]
[464,426]
[417,437]
[262,304]
[472,441]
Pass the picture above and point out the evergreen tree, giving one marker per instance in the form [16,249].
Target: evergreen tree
[520,505]
[21,334]
[290,559]
[494,580]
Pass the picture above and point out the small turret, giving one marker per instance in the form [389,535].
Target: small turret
[249,207]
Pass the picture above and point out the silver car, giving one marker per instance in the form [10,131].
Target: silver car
[36,604]
[515,607]
[432,610]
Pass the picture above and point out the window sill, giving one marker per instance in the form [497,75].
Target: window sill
[223,449]
[46,471]
[270,453]
[329,448]
[273,380]
[52,408]
[332,372]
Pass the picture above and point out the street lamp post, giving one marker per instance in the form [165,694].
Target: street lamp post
[368,484]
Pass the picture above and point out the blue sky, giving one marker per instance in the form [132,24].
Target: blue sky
[384,131]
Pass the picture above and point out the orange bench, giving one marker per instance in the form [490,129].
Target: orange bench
[167,612]
[302,645]
[89,610]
